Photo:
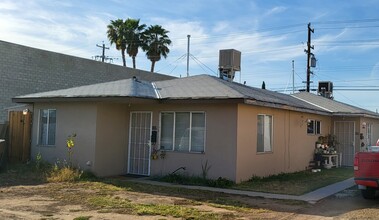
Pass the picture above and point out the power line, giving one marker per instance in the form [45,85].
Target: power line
[348,21]
[102,57]
[202,64]
[178,59]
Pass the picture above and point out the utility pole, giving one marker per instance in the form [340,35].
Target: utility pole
[103,55]
[309,53]
[188,53]
[293,77]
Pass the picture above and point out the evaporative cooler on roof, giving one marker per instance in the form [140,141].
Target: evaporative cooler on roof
[325,89]
[229,63]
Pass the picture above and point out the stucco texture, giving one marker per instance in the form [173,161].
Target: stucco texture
[231,139]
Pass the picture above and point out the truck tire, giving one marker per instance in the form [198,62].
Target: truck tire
[368,193]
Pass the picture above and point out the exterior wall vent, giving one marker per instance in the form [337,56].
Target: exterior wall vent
[325,89]
[229,63]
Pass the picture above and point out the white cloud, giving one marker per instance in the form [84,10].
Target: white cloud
[220,27]
[53,29]
[8,5]
[375,71]
[275,10]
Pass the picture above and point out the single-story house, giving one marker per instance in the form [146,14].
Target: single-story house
[355,128]
[137,127]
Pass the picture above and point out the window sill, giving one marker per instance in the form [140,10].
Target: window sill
[45,146]
[268,152]
[185,152]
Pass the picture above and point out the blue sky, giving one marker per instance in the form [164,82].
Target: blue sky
[270,34]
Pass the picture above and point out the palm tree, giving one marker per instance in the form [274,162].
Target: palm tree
[133,37]
[155,44]
[116,35]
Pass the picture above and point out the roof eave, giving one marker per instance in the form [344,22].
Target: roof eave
[285,107]
[122,99]
[344,114]
[200,100]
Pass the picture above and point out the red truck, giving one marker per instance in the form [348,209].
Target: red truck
[366,173]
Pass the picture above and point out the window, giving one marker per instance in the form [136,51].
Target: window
[313,127]
[183,131]
[369,134]
[264,133]
[47,124]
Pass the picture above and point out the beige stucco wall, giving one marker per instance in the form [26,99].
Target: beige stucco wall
[102,138]
[111,139]
[220,144]
[231,135]
[363,124]
[292,147]
[79,118]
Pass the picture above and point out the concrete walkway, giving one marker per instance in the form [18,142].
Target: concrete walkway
[311,197]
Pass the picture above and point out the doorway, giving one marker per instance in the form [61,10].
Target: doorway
[20,124]
[139,143]
[345,131]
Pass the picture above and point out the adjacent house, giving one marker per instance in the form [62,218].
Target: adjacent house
[133,126]
[355,128]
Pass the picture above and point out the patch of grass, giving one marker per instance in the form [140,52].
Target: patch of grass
[40,172]
[153,189]
[175,211]
[196,180]
[115,204]
[109,202]
[296,183]
[112,196]
[82,218]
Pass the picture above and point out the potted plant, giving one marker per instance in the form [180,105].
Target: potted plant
[154,154]
[318,154]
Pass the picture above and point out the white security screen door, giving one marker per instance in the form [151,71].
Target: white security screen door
[345,131]
[139,143]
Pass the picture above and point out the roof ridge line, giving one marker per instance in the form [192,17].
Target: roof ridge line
[312,103]
[222,82]
[156,90]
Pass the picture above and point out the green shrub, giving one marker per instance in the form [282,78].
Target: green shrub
[174,178]
[220,183]
[196,180]
[87,175]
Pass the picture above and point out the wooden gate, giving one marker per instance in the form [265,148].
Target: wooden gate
[19,136]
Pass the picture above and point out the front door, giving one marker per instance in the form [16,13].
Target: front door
[345,130]
[20,125]
[139,143]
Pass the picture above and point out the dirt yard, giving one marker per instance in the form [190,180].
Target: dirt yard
[92,200]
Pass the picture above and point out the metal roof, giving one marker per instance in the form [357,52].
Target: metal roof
[333,106]
[199,87]
[210,87]
[195,87]
[120,88]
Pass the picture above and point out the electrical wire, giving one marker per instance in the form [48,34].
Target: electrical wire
[202,64]
[178,59]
